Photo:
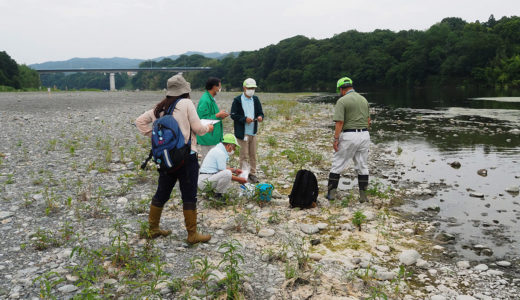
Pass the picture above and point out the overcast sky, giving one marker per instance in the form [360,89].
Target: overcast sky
[35,31]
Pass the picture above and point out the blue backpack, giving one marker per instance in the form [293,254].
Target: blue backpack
[169,150]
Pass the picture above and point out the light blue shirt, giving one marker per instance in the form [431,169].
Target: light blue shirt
[216,160]
[248,105]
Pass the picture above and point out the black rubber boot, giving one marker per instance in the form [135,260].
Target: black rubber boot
[332,186]
[363,184]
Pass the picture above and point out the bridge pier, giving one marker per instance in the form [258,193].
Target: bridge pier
[112,81]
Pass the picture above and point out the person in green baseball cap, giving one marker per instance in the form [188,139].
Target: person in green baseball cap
[214,171]
[351,137]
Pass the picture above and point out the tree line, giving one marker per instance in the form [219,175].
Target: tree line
[16,77]
[452,52]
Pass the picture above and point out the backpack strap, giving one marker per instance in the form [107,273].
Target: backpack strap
[143,165]
[170,109]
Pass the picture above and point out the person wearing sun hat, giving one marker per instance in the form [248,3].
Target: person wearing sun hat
[246,112]
[214,170]
[351,137]
[187,174]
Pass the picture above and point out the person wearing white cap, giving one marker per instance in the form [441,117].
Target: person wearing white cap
[246,112]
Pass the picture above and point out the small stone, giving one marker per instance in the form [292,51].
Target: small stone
[437,297]
[455,165]
[465,297]
[248,290]
[219,276]
[266,232]
[463,264]
[409,231]
[495,272]
[476,195]
[503,263]
[315,256]
[421,263]
[122,201]
[71,278]
[445,237]
[355,260]
[385,275]
[514,189]
[383,248]
[322,226]
[481,267]
[409,257]
[482,172]
[432,272]
[69,288]
[5,215]
[110,281]
[309,229]
[65,253]
[37,197]
[315,242]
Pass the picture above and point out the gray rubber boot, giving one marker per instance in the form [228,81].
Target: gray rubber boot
[332,186]
[363,184]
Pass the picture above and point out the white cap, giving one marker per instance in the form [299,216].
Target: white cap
[249,83]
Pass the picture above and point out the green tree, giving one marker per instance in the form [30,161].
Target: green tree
[9,73]
[29,78]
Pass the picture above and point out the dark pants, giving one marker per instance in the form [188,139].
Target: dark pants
[187,175]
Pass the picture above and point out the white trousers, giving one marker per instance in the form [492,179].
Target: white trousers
[352,145]
[220,181]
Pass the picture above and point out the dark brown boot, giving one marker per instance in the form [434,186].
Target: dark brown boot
[190,218]
[153,220]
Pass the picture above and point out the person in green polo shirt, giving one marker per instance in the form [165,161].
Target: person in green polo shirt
[351,137]
[208,109]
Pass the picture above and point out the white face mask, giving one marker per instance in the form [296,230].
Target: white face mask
[250,93]
[220,89]
[231,153]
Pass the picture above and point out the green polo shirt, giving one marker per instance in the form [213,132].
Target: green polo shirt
[353,110]
[207,109]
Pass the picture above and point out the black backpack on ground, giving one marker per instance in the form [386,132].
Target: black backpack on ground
[305,190]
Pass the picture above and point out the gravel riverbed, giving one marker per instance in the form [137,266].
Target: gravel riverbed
[73,202]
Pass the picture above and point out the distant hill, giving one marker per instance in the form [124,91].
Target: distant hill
[216,55]
[115,62]
[92,62]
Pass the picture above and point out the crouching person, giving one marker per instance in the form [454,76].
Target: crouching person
[214,171]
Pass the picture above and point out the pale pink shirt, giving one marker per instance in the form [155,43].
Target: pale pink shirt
[186,116]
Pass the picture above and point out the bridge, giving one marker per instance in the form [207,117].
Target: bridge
[113,71]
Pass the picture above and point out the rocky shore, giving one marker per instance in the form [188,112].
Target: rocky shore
[74,203]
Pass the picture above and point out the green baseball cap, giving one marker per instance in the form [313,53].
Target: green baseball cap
[343,82]
[230,139]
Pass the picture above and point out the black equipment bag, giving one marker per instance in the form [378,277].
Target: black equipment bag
[305,190]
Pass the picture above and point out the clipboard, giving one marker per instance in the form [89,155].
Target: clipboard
[209,121]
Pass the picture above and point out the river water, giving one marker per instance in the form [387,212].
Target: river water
[481,130]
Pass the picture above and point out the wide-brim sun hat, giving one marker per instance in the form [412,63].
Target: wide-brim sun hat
[249,83]
[177,86]
[343,83]
[229,138]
